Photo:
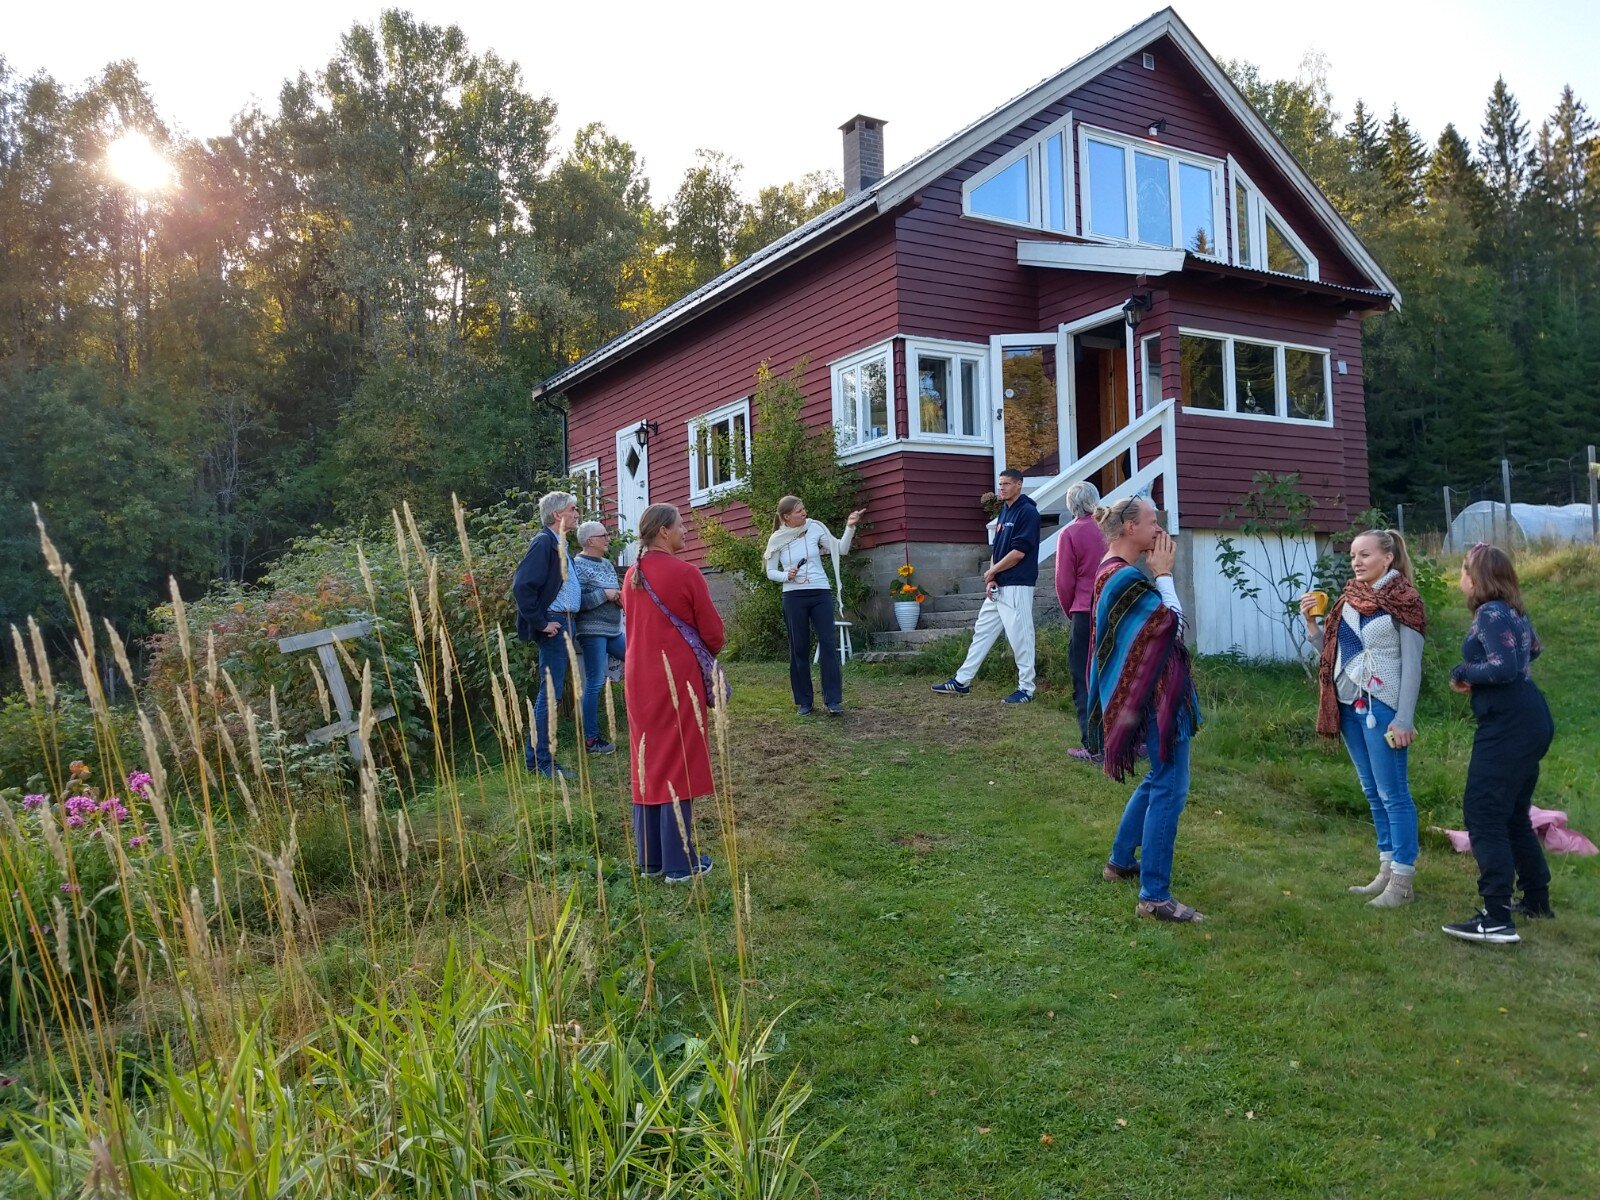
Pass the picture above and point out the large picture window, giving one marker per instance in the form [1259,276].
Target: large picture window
[1149,194]
[1245,377]
[944,383]
[1031,185]
[719,451]
[1261,238]
[863,398]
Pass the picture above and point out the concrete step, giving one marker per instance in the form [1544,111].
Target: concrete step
[970,584]
[895,639]
[952,619]
[954,602]
[883,656]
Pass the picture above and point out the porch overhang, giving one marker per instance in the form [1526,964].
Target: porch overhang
[1151,263]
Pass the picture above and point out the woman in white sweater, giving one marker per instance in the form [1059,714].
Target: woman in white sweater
[794,559]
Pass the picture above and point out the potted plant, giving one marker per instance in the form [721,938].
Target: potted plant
[908,598]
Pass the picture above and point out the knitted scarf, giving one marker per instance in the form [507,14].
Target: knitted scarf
[785,535]
[1139,671]
[1399,598]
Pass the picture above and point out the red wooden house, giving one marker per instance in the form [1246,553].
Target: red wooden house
[1121,275]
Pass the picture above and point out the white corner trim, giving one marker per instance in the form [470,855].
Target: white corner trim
[1116,260]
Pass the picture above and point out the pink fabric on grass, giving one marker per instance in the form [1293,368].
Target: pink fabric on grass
[1551,826]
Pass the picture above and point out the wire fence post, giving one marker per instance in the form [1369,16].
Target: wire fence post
[1505,484]
[1449,520]
[1594,497]
[1400,518]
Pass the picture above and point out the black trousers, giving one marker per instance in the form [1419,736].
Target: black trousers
[1078,661]
[803,612]
[1514,732]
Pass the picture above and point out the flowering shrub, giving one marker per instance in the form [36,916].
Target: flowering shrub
[73,864]
[905,589]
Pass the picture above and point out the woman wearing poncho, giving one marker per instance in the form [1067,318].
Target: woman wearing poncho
[1142,701]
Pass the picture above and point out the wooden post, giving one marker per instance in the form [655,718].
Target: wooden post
[1505,484]
[1594,497]
[1400,518]
[1449,520]
[348,725]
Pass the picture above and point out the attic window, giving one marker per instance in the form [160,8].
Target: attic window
[1149,61]
[1030,185]
[1262,239]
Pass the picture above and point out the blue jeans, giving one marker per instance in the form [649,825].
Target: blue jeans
[1382,772]
[1150,820]
[595,648]
[552,680]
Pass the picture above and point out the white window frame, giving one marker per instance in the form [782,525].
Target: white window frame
[853,362]
[1280,374]
[1146,398]
[701,492]
[1260,209]
[1034,150]
[1174,157]
[589,471]
[955,352]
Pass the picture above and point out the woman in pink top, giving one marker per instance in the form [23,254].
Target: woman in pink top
[1078,556]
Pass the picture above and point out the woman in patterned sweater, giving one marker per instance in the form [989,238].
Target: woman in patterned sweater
[1514,732]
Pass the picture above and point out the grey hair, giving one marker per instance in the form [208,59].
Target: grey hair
[1082,498]
[590,529]
[552,503]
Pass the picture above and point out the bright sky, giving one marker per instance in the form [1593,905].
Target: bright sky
[770,83]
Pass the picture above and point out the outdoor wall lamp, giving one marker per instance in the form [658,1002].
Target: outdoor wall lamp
[1134,310]
[1158,126]
[647,429]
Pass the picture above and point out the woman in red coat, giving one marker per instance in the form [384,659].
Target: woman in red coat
[669,722]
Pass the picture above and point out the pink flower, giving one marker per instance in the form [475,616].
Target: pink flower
[34,801]
[135,842]
[69,888]
[75,821]
[139,782]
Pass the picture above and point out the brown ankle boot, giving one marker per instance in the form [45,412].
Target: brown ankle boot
[1398,892]
[1379,882]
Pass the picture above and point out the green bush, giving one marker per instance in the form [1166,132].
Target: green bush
[75,872]
[69,733]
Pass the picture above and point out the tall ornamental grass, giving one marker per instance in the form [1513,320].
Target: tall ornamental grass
[234,970]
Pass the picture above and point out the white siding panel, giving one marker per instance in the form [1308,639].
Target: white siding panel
[1223,621]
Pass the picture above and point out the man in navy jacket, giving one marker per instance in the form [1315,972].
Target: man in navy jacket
[547,594]
[1008,607]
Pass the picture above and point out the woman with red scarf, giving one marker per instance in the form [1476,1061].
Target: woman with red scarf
[1369,674]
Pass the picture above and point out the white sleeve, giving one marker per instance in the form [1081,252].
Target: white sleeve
[1169,593]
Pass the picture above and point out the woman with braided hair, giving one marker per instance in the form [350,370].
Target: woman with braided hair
[1370,672]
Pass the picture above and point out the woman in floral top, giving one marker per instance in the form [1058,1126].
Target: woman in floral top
[1514,732]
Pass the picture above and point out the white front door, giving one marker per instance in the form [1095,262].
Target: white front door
[1029,388]
[633,488]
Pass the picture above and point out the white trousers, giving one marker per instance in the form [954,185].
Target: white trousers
[1009,609]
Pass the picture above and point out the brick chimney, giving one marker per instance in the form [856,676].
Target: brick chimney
[863,153]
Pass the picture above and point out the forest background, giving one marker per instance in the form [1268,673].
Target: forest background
[344,303]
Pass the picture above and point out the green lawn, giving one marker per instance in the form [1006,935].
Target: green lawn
[982,1016]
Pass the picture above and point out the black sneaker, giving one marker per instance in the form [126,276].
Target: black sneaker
[1533,912]
[836,710]
[599,746]
[1482,929]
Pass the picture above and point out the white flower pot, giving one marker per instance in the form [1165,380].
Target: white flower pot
[906,613]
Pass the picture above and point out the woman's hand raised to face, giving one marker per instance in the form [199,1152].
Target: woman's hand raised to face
[1162,554]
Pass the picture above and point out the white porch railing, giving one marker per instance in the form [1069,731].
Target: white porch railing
[1164,467]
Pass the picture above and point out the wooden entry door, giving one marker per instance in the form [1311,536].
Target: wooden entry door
[633,488]
[1101,408]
